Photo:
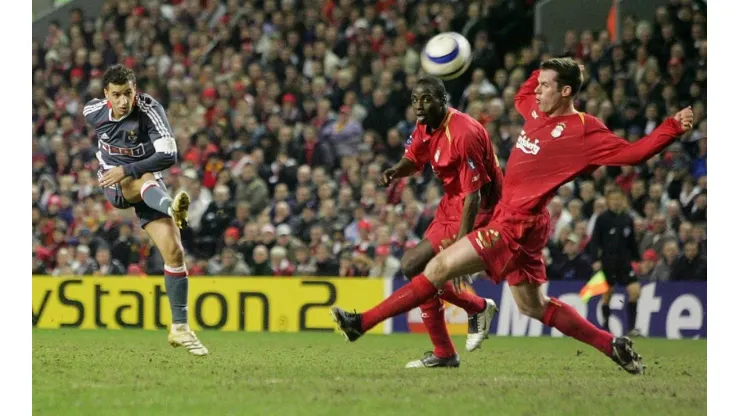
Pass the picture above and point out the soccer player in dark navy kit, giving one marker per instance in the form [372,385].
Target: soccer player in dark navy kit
[135,144]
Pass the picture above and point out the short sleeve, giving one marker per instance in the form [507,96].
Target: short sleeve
[415,149]
[471,151]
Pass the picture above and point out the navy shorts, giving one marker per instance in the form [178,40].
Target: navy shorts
[144,212]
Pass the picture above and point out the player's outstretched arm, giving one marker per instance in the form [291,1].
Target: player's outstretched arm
[525,100]
[160,133]
[402,169]
[602,147]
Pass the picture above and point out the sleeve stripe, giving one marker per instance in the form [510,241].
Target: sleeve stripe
[156,120]
[94,107]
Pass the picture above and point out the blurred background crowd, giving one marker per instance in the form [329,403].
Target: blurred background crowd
[286,112]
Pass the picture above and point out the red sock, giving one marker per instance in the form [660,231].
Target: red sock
[403,300]
[433,315]
[563,317]
[471,303]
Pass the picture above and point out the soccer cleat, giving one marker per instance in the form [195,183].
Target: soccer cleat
[479,325]
[181,335]
[347,322]
[430,360]
[179,209]
[624,354]
[634,333]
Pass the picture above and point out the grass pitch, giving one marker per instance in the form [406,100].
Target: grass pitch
[77,372]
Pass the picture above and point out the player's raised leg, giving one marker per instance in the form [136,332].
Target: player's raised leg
[155,196]
[457,260]
[554,313]
[166,237]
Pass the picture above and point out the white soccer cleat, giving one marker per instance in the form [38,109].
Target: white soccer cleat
[479,325]
[181,335]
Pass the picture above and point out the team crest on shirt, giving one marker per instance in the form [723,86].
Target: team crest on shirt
[408,141]
[534,115]
[558,130]
[436,155]
[131,136]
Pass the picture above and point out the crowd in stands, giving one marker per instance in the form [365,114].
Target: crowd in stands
[286,112]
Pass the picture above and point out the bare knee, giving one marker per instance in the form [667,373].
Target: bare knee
[173,254]
[438,269]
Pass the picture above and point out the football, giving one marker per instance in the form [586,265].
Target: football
[446,56]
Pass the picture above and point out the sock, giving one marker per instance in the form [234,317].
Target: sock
[176,285]
[563,317]
[433,315]
[155,197]
[471,303]
[403,300]
[606,311]
[632,314]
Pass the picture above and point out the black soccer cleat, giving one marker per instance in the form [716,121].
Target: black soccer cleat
[347,322]
[624,354]
[429,360]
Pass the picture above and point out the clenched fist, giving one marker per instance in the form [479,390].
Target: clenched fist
[685,117]
[387,177]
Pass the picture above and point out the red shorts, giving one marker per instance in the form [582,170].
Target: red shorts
[443,229]
[511,246]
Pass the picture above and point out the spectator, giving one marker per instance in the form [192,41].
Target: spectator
[664,268]
[385,264]
[229,264]
[252,189]
[105,266]
[690,267]
[658,235]
[646,266]
[261,261]
[305,264]
[573,265]
[279,262]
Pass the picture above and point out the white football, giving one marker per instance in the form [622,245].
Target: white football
[446,56]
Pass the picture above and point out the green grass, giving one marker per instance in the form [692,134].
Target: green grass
[79,372]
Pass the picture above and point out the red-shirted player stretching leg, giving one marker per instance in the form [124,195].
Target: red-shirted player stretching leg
[461,155]
[556,145]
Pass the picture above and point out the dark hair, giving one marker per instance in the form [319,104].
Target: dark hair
[118,75]
[616,190]
[568,73]
[436,85]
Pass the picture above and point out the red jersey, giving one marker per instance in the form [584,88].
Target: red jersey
[551,151]
[462,157]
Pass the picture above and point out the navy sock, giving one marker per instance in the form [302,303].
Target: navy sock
[155,197]
[176,285]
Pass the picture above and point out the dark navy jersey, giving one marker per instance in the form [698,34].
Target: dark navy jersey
[141,141]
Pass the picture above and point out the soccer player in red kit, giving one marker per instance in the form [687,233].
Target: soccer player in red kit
[461,155]
[556,145]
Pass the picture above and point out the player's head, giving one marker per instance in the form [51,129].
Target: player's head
[559,81]
[119,86]
[429,100]
[615,200]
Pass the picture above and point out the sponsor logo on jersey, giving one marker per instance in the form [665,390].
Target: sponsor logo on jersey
[526,145]
[471,163]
